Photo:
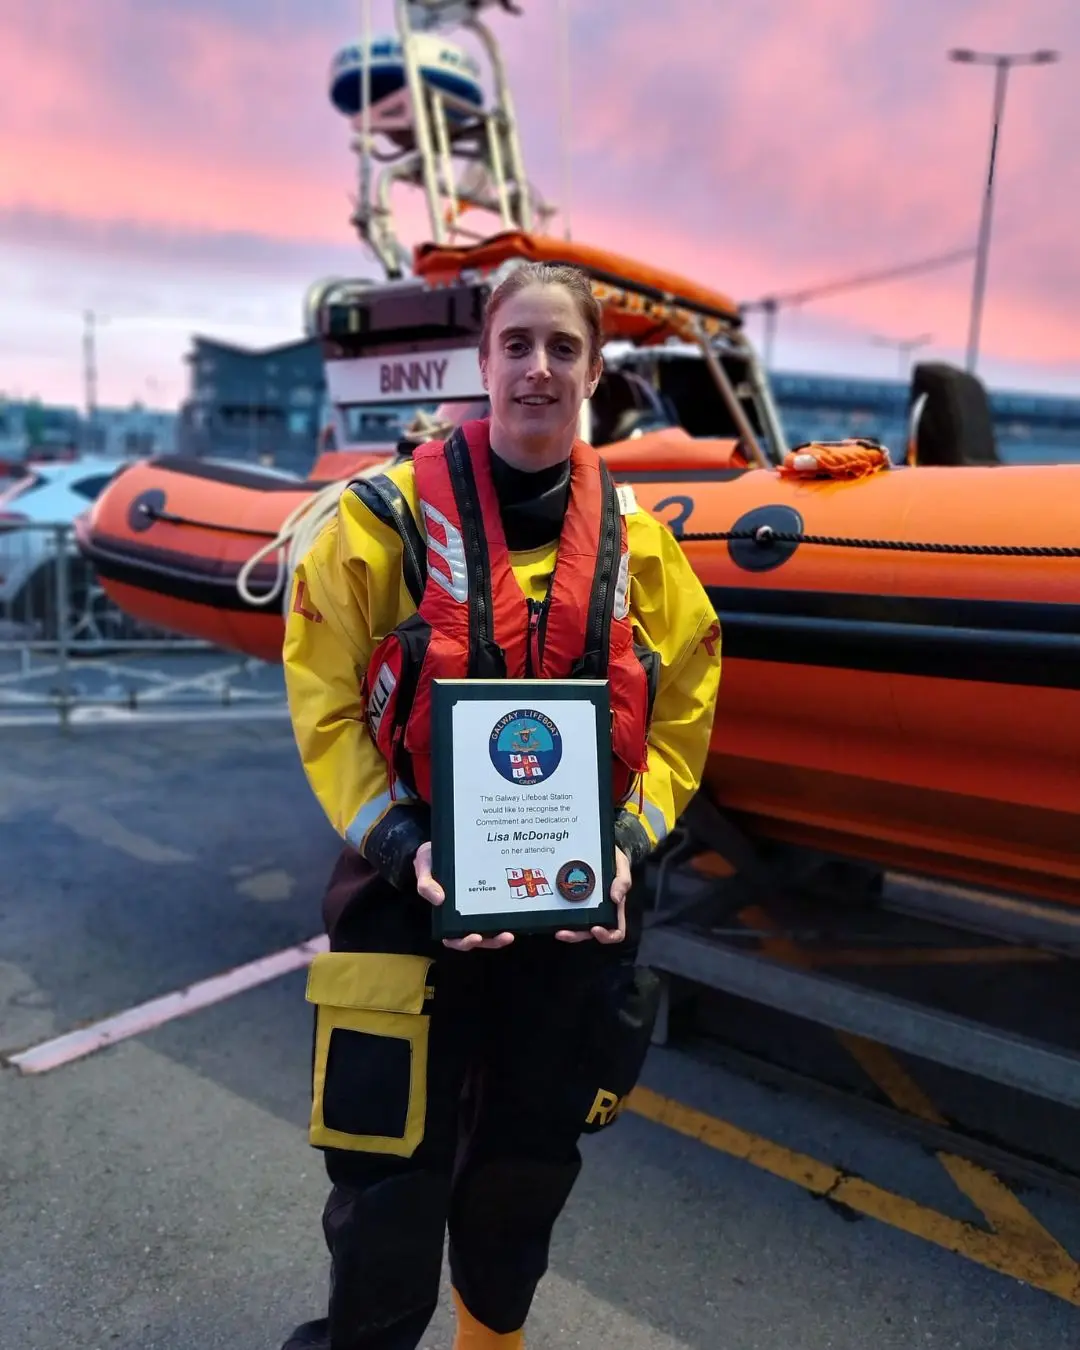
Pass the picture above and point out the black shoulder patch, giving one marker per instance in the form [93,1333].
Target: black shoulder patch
[386,502]
[374,498]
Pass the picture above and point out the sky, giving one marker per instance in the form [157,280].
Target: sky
[176,166]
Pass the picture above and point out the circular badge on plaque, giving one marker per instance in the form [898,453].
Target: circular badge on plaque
[575,881]
[525,747]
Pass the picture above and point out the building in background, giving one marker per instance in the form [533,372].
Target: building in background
[130,433]
[269,406]
[247,404]
[31,430]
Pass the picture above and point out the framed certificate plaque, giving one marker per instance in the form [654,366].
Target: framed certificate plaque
[522,819]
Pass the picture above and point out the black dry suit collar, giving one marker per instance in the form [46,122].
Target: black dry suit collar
[532,503]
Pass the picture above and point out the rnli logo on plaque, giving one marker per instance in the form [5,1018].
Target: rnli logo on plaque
[525,746]
[575,881]
[526,883]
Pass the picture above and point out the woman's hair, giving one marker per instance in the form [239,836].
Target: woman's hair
[572,279]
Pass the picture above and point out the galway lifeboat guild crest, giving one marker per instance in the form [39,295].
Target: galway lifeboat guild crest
[525,747]
[576,881]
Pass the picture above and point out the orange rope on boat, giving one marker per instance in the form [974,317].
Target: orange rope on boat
[835,459]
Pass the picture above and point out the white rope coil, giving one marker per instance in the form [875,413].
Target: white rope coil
[303,525]
[299,530]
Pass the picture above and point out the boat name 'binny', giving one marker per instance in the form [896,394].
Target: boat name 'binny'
[395,376]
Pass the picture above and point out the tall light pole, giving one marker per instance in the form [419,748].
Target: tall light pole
[1002,65]
[91,320]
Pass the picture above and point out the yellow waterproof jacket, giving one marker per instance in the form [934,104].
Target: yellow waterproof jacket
[349,592]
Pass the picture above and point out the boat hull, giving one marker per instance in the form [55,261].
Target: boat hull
[907,707]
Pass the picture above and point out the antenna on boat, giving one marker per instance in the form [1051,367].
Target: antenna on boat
[364,143]
[419,107]
[565,105]
[770,304]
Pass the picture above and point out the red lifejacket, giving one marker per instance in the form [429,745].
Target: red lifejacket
[474,621]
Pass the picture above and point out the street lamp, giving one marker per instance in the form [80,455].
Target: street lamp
[1002,64]
[904,347]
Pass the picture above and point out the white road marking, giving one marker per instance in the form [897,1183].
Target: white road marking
[88,822]
[270,886]
[145,1016]
[107,716]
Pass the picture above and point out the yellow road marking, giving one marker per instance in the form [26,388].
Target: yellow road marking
[1011,1220]
[891,1077]
[1019,1245]
[1045,1266]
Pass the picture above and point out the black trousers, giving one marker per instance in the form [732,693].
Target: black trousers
[526,1048]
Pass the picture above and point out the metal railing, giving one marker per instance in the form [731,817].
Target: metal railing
[67,650]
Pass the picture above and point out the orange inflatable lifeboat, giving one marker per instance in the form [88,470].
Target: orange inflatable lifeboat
[901,649]
[190,546]
[173,541]
[902,665]
[901,643]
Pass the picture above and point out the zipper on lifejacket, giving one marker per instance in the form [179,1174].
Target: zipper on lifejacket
[532,650]
[480,574]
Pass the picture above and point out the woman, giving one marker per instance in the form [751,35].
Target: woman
[451,1085]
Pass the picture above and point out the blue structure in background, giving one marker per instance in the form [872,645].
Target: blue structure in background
[270,405]
[1030,428]
[259,405]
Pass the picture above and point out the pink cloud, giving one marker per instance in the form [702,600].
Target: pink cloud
[173,248]
[777,152]
[167,117]
[760,148]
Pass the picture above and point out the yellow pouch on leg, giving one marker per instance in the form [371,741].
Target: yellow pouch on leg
[369,1081]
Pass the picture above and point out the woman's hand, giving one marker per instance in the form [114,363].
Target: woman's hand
[433,893]
[620,887]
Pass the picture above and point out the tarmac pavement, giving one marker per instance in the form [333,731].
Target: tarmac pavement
[160,1194]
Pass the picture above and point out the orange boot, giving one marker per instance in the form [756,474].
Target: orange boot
[473,1335]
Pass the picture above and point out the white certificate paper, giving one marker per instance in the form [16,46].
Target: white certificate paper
[526,816]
